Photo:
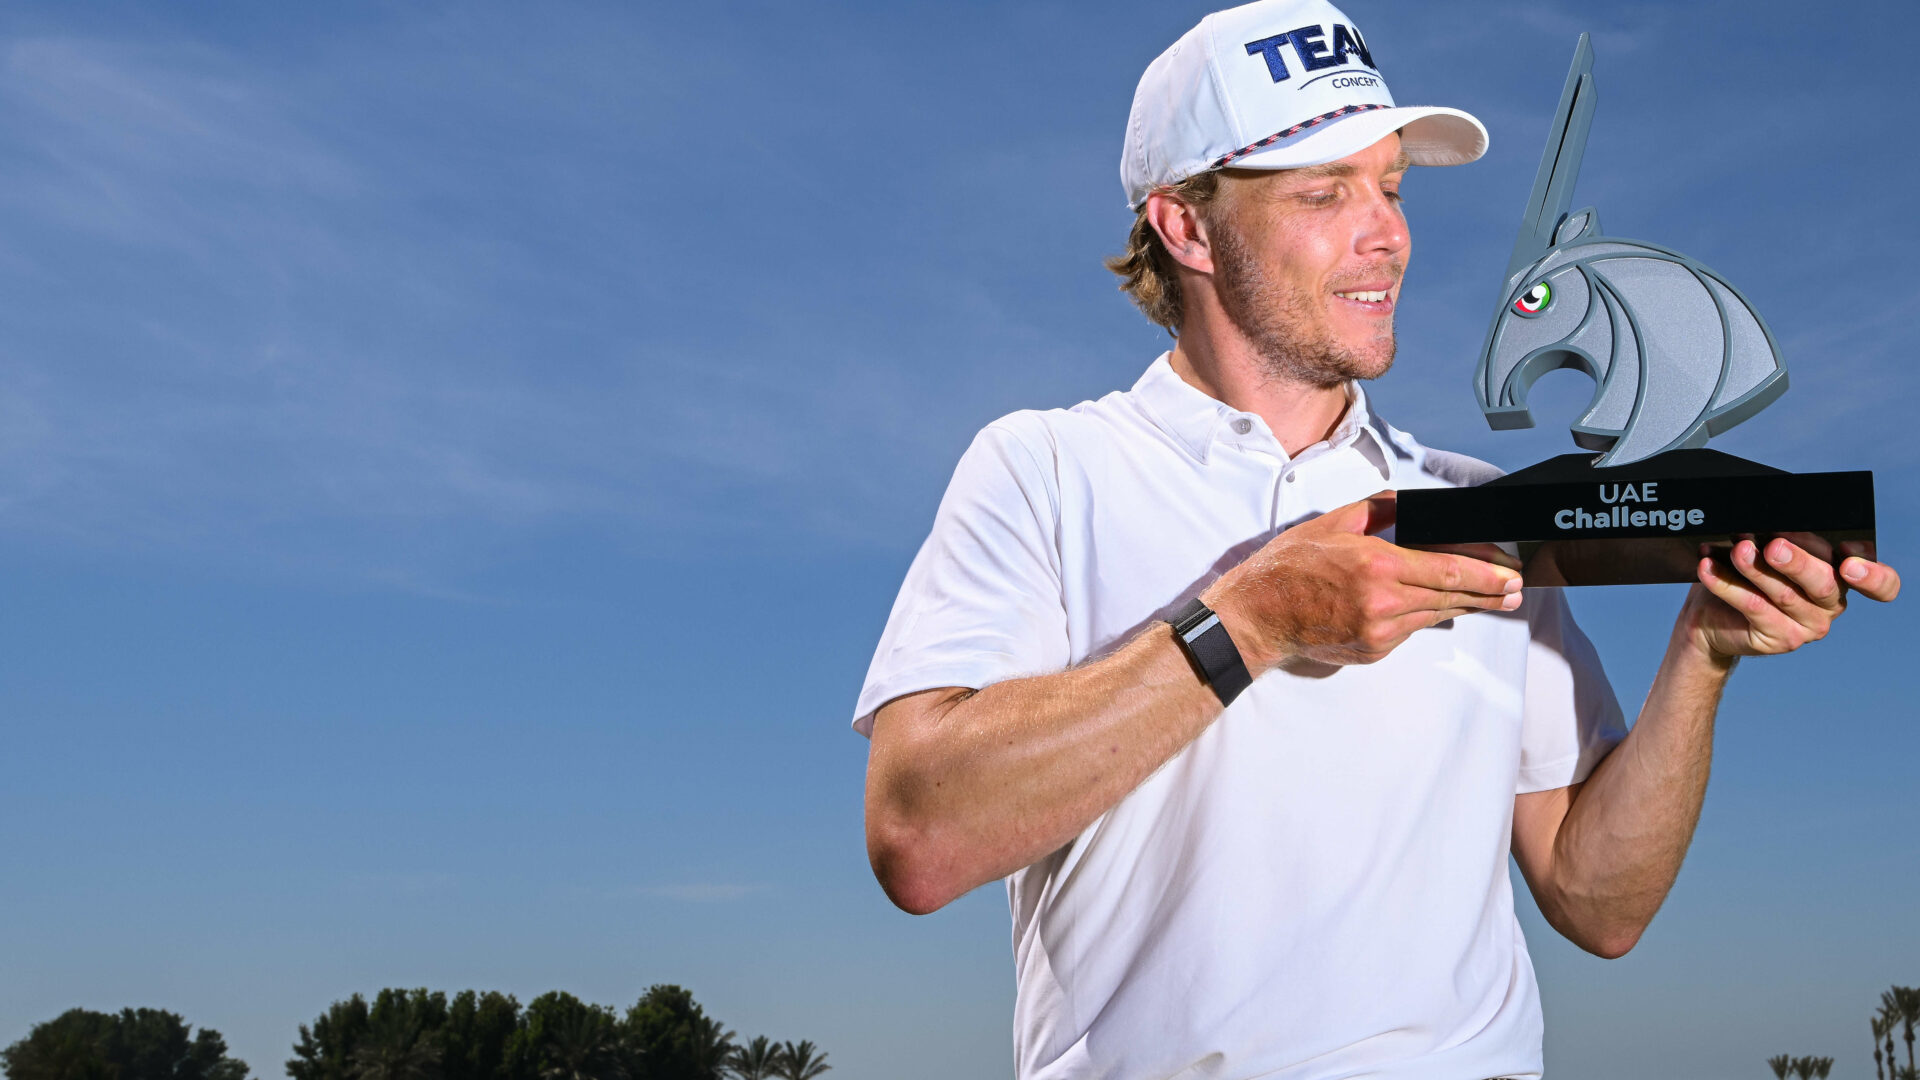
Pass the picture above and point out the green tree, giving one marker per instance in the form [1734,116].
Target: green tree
[324,1051]
[670,1037]
[402,1039]
[1781,1065]
[135,1044]
[71,1046]
[474,1039]
[801,1062]
[710,1047]
[564,1038]
[755,1060]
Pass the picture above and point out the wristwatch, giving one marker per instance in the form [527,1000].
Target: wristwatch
[1211,649]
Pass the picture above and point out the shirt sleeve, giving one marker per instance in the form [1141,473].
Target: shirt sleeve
[982,601]
[1572,719]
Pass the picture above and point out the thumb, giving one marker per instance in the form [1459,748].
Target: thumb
[1382,509]
[1362,518]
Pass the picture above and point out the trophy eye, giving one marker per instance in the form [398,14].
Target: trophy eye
[1534,300]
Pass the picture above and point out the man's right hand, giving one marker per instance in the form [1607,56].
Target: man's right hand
[1330,590]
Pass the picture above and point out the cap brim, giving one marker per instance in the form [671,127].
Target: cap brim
[1430,134]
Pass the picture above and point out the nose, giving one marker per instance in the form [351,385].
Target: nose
[1382,229]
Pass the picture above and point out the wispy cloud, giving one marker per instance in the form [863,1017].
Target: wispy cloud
[259,311]
[383,306]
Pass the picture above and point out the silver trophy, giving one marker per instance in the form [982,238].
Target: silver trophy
[1677,355]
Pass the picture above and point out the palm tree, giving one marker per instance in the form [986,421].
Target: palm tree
[710,1046]
[1908,1000]
[1781,1066]
[759,1059]
[396,1049]
[580,1044]
[1803,1067]
[1890,1017]
[797,1062]
[1907,1072]
[1821,1067]
[1881,1029]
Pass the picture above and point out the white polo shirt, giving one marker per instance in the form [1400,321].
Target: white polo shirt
[1317,886]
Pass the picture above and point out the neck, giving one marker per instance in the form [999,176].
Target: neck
[1298,414]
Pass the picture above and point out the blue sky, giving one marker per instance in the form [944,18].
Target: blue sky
[455,461]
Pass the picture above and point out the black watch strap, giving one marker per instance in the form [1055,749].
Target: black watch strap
[1212,650]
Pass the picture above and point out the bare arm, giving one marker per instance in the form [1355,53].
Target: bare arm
[964,787]
[1601,856]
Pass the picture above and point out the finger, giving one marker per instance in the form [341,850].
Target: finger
[1357,518]
[1763,619]
[1456,574]
[1781,591]
[1812,543]
[1874,580]
[1492,553]
[1426,601]
[1383,509]
[1814,578]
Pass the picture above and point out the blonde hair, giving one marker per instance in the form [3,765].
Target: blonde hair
[1146,269]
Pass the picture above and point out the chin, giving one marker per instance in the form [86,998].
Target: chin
[1368,360]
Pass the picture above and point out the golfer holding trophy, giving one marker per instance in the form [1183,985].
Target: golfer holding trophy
[1250,759]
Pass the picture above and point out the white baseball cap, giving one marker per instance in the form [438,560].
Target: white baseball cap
[1277,84]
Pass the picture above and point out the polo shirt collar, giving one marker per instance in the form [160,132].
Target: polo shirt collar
[1197,420]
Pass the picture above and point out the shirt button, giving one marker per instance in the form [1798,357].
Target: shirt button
[1291,477]
[1242,426]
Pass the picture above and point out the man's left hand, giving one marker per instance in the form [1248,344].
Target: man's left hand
[1776,597]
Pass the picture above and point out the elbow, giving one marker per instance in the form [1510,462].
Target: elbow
[907,873]
[913,895]
[917,854]
[1606,934]
[1608,939]
[1611,946]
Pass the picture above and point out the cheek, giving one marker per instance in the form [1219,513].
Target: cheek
[1300,255]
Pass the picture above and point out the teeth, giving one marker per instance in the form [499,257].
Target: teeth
[1369,297]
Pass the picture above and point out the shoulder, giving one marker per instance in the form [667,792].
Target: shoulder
[1054,436]
[1055,430]
[1012,462]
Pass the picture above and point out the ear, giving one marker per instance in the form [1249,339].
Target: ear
[1181,230]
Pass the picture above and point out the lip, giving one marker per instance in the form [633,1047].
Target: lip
[1371,307]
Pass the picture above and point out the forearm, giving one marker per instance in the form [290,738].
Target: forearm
[1627,831]
[963,788]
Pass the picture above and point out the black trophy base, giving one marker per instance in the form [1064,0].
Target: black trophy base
[1639,524]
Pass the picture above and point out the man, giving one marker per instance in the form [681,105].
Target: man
[1271,840]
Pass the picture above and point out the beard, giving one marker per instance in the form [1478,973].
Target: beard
[1286,324]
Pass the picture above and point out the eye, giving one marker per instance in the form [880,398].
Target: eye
[1534,300]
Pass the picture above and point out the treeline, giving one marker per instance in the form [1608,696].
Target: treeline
[425,1035]
[1899,1013]
[133,1044]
